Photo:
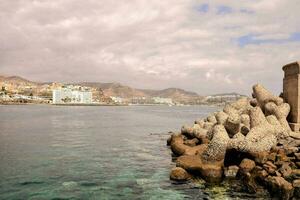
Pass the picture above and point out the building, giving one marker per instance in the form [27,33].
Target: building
[160,100]
[117,99]
[69,95]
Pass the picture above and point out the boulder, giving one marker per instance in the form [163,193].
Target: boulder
[179,174]
[246,166]
[279,186]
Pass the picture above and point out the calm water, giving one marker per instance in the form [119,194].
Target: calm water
[51,152]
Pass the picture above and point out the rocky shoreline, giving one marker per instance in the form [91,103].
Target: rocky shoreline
[250,140]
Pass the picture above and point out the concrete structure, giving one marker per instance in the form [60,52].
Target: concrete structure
[291,93]
[67,95]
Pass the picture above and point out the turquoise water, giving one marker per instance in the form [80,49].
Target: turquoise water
[53,152]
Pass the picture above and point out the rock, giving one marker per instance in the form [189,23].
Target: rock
[246,166]
[297,155]
[212,119]
[179,174]
[193,142]
[261,175]
[294,135]
[189,163]
[212,172]
[296,185]
[291,150]
[298,164]
[169,141]
[250,183]
[231,171]
[285,170]
[261,157]
[279,186]
[221,117]
[272,157]
[263,96]
[270,167]
[295,174]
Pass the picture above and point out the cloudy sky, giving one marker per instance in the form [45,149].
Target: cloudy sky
[203,46]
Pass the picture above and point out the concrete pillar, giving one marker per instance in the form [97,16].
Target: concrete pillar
[291,93]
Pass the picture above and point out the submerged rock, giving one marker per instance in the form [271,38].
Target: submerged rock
[179,174]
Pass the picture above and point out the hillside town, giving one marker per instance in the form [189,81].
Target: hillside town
[17,90]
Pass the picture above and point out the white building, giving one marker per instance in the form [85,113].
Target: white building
[117,99]
[160,100]
[67,95]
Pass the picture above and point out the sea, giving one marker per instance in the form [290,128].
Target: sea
[99,152]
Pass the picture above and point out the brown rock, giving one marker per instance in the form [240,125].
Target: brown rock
[231,171]
[189,163]
[179,174]
[297,155]
[298,164]
[295,174]
[250,183]
[246,166]
[261,157]
[193,142]
[212,172]
[291,150]
[296,185]
[270,167]
[272,157]
[279,186]
[285,170]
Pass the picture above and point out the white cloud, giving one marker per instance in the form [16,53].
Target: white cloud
[152,44]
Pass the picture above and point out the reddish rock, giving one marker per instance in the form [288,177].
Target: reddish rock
[279,186]
[246,166]
[179,174]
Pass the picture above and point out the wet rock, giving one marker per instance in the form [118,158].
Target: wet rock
[231,171]
[212,172]
[246,166]
[179,174]
[279,186]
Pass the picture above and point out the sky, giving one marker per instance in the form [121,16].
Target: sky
[203,46]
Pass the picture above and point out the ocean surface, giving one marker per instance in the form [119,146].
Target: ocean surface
[70,152]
